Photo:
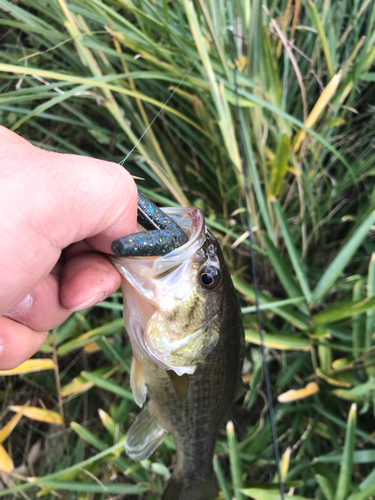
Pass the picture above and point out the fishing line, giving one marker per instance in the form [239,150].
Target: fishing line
[255,278]
[158,113]
[251,241]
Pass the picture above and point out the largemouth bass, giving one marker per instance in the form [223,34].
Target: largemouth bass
[184,323]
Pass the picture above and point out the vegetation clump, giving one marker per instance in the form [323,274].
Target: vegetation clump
[88,77]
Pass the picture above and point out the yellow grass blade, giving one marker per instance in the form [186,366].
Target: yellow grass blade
[279,166]
[285,460]
[90,336]
[337,381]
[39,414]
[224,117]
[295,19]
[320,106]
[29,366]
[241,63]
[94,347]
[108,421]
[294,395]
[286,19]
[321,428]
[340,363]
[80,384]
[6,464]
[12,68]
[76,386]
[7,429]
[282,342]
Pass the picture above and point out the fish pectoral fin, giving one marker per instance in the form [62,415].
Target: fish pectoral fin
[144,436]
[137,382]
[180,383]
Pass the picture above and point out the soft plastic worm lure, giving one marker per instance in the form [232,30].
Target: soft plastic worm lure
[162,233]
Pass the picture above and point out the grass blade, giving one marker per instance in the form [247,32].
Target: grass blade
[370,323]
[295,395]
[273,305]
[9,426]
[322,36]
[112,353]
[29,366]
[342,259]
[292,251]
[108,385]
[346,310]
[359,457]
[235,462]
[282,342]
[124,489]
[293,317]
[26,486]
[257,185]
[319,107]
[266,494]
[111,328]
[221,479]
[325,487]
[346,468]
[281,268]
[366,494]
[80,384]
[6,464]
[39,414]
[359,323]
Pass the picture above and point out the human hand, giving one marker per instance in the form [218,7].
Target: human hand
[56,212]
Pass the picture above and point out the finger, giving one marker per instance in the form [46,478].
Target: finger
[87,279]
[85,199]
[41,310]
[17,343]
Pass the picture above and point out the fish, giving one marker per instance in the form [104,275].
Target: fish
[184,322]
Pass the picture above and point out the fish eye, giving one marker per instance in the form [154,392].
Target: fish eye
[209,277]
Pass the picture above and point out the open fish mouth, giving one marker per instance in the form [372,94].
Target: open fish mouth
[161,296]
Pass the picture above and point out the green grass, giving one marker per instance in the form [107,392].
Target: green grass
[309,156]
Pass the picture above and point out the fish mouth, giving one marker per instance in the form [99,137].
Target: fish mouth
[192,221]
[148,280]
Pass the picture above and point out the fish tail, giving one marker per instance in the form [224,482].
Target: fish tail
[178,489]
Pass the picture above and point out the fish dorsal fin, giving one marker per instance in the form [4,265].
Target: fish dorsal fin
[180,383]
[137,382]
[144,436]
